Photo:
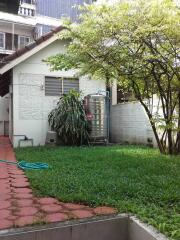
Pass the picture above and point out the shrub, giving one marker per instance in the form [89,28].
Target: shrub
[68,119]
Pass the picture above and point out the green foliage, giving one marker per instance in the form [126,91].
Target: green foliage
[134,179]
[136,43]
[69,121]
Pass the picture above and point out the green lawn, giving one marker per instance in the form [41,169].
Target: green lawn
[133,179]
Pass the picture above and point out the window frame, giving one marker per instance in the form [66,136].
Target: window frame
[4,40]
[19,36]
[62,85]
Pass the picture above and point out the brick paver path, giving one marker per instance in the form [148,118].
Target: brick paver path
[18,206]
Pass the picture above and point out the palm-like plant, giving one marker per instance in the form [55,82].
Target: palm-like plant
[68,119]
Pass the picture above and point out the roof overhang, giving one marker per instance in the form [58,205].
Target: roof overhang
[9,62]
[26,55]
[10,6]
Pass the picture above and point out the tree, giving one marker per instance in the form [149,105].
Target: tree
[138,44]
[68,119]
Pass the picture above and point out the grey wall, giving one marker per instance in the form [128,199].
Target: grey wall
[59,8]
[129,123]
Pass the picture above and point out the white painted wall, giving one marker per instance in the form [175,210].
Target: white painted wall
[4,115]
[30,105]
[130,124]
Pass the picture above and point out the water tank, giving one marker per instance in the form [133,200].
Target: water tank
[97,113]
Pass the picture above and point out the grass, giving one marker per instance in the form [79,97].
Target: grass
[133,179]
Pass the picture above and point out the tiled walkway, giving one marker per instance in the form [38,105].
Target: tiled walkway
[18,206]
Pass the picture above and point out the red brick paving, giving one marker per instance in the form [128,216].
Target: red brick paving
[52,208]
[56,217]
[18,206]
[23,196]
[26,220]
[104,210]
[4,204]
[26,211]
[73,206]
[4,214]
[5,224]
[82,213]
[47,201]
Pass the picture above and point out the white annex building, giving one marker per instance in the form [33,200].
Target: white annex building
[29,90]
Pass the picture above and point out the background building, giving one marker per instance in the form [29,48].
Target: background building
[22,21]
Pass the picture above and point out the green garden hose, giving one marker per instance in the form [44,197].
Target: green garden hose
[25,166]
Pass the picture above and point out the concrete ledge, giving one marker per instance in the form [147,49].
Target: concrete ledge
[140,231]
[120,227]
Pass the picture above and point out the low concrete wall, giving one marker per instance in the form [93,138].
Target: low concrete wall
[120,227]
[140,231]
[130,124]
[115,228]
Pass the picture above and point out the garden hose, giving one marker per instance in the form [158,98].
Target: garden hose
[28,166]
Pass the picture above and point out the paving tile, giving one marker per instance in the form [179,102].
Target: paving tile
[5,182]
[26,220]
[4,196]
[19,179]
[23,196]
[27,211]
[4,176]
[73,206]
[22,190]
[14,176]
[5,186]
[16,172]
[11,167]
[5,224]
[4,204]
[104,210]
[5,190]
[56,217]
[12,218]
[82,213]
[4,214]
[47,201]
[53,208]
[25,203]
[20,184]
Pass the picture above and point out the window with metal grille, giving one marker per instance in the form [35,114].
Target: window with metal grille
[2,40]
[69,84]
[58,86]
[23,41]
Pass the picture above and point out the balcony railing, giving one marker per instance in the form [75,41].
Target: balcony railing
[27,8]
[11,42]
[32,2]
[26,11]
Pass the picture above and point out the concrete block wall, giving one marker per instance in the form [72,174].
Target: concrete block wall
[130,124]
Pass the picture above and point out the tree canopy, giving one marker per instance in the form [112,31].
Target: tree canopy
[136,43]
